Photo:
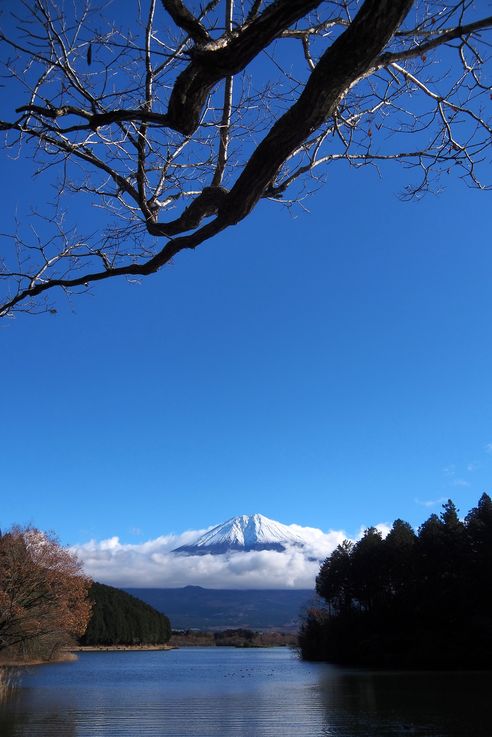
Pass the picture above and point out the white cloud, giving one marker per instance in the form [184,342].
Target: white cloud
[153,564]
[431,502]
[449,470]
[381,527]
[461,482]
[488,448]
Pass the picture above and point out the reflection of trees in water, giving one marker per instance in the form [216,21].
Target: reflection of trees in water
[21,718]
[14,723]
[395,703]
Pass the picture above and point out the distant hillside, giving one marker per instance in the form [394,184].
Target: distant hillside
[119,618]
[194,607]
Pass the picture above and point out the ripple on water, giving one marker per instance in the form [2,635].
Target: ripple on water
[234,693]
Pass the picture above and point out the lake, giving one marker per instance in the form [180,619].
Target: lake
[228,692]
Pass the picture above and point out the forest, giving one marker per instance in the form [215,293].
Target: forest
[47,604]
[416,600]
[121,619]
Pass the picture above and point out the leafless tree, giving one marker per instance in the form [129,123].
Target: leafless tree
[177,121]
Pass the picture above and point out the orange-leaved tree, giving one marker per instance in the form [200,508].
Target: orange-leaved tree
[43,594]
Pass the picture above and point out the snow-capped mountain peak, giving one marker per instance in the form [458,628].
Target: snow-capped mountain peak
[245,532]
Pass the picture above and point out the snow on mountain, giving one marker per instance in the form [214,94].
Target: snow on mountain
[245,532]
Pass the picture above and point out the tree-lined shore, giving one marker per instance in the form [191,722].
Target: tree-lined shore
[120,619]
[48,606]
[44,602]
[410,600]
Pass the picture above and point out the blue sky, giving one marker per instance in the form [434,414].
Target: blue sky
[330,369]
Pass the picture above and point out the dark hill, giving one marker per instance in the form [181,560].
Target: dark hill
[194,607]
[121,619]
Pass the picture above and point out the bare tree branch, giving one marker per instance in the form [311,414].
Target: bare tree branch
[439,39]
[185,116]
[186,20]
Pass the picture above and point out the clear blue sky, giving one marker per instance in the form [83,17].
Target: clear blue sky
[328,370]
[331,369]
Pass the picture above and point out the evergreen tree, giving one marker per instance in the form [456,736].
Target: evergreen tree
[333,582]
[121,619]
[401,601]
[368,570]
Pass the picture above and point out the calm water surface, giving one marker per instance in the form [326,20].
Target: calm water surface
[226,692]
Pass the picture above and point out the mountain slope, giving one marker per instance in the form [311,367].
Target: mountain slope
[194,607]
[245,532]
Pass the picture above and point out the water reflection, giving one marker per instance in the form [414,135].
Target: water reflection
[420,704]
[233,693]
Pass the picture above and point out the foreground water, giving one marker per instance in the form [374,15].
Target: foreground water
[226,692]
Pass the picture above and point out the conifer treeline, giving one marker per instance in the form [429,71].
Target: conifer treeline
[411,600]
[121,619]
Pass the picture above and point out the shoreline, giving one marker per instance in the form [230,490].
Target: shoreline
[118,648]
[69,654]
[65,656]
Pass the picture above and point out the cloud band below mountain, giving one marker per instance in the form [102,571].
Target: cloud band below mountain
[152,564]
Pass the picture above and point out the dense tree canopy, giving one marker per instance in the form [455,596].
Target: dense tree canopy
[121,619]
[409,599]
[177,119]
[43,595]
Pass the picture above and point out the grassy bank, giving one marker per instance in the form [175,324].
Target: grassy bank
[64,656]
[9,678]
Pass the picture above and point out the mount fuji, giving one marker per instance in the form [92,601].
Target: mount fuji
[246,532]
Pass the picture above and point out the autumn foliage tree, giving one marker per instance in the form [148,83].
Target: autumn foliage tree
[43,595]
[176,119]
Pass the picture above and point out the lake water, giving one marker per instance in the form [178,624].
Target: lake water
[227,692]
